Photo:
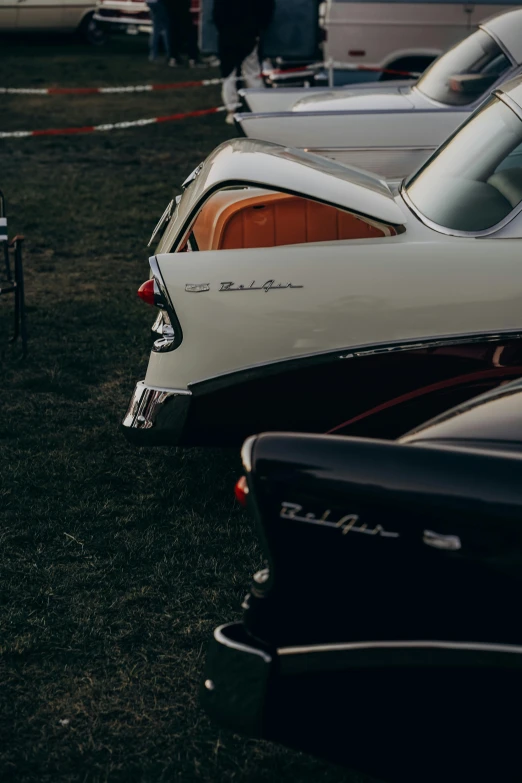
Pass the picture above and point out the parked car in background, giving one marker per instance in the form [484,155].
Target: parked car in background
[296,293]
[130,15]
[392,129]
[380,634]
[54,15]
[402,36]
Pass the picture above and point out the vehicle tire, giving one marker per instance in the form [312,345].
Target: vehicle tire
[91,32]
[413,64]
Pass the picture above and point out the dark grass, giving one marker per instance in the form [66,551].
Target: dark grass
[115,563]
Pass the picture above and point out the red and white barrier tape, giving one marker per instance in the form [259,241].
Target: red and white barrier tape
[111,125]
[105,90]
[200,83]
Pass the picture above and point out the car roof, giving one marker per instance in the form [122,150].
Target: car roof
[507,29]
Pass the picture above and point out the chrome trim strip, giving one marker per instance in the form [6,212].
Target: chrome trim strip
[239,117]
[168,306]
[246,453]
[510,103]
[354,352]
[370,149]
[221,638]
[397,645]
[453,232]
[501,46]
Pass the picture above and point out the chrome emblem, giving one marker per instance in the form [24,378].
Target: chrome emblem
[196,288]
[346,524]
[439,541]
[268,285]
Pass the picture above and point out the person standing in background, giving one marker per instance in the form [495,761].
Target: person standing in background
[160,29]
[183,32]
[240,24]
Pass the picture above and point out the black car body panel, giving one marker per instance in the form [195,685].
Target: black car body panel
[384,633]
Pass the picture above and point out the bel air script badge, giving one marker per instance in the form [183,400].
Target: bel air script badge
[268,285]
[229,285]
[346,524]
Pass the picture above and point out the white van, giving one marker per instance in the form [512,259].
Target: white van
[403,36]
[50,16]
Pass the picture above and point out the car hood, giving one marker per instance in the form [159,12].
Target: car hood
[348,100]
[249,163]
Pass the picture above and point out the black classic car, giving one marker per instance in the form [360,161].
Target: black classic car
[383,633]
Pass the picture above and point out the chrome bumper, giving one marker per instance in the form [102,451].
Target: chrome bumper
[156,417]
[236,680]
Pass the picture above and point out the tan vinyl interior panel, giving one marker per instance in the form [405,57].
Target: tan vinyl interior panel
[233,219]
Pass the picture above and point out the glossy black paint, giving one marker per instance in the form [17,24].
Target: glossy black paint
[490,421]
[340,596]
[373,395]
[406,586]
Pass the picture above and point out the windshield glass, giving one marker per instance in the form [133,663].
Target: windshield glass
[474,180]
[466,72]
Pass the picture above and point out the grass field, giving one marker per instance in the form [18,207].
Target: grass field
[116,563]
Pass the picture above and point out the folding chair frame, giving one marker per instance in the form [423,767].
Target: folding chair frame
[13,277]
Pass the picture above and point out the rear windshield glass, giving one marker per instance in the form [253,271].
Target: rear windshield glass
[466,72]
[474,180]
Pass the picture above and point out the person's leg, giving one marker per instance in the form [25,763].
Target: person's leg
[191,35]
[175,39]
[155,34]
[164,27]
[251,69]
[229,66]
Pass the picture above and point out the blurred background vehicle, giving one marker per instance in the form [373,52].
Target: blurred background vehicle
[131,16]
[390,128]
[401,36]
[51,15]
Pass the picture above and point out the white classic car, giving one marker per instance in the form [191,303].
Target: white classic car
[131,16]
[297,293]
[55,15]
[391,129]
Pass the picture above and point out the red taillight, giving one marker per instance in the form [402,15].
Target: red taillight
[146,292]
[241,491]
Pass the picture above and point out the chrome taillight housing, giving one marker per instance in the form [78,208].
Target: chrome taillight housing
[153,292]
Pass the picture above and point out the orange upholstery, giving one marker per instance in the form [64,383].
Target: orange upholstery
[259,218]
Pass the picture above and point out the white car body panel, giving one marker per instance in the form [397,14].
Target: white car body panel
[36,15]
[260,100]
[245,162]
[333,122]
[452,288]
[392,163]
[385,99]
[337,133]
